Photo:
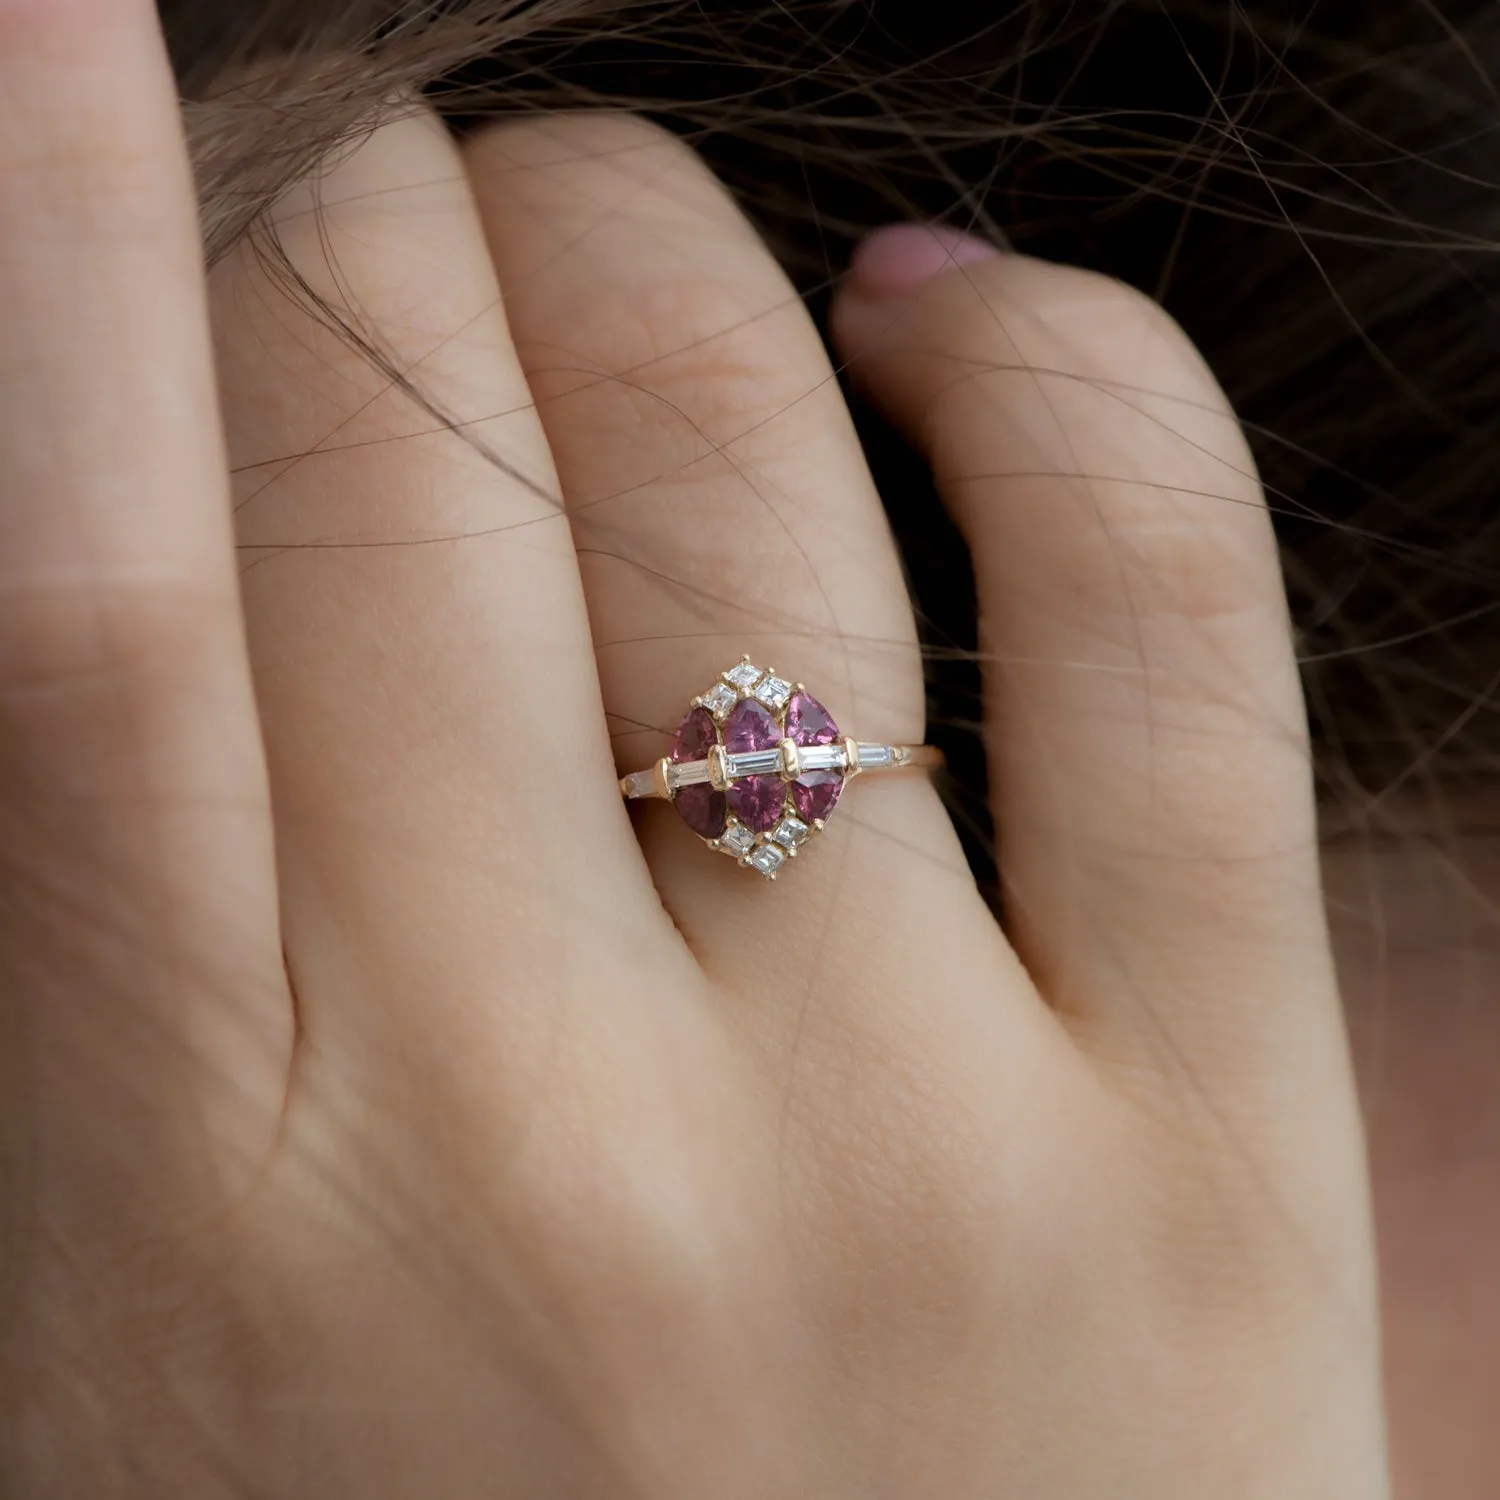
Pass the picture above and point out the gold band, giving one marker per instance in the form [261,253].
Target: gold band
[850,756]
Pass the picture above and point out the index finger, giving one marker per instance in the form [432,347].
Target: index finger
[139,888]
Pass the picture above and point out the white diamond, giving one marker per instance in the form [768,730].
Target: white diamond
[821,757]
[719,699]
[773,692]
[737,840]
[744,676]
[755,763]
[790,832]
[873,756]
[689,773]
[767,859]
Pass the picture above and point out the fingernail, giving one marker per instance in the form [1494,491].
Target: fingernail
[898,259]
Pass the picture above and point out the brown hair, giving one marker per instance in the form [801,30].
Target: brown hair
[1308,194]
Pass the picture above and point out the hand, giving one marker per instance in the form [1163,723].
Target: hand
[387,1114]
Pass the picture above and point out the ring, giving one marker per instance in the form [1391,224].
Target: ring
[758,765]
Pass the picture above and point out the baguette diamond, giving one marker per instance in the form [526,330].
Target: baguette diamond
[755,763]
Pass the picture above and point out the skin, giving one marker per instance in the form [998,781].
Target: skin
[390,1112]
[1419,960]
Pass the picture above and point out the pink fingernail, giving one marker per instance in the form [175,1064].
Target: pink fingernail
[901,257]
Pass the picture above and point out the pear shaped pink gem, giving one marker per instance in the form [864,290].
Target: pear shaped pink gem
[701,807]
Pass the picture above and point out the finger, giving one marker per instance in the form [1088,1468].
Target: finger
[1145,726]
[443,781]
[138,917]
[718,494]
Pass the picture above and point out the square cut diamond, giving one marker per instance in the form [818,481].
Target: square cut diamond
[773,692]
[737,841]
[744,676]
[719,699]
[790,832]
[768,859]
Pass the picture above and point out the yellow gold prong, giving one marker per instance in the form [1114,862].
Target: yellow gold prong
[852,766]
[718,768]
[660,775]
[791,760]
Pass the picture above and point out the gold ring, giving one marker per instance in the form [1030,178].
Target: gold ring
[758,765]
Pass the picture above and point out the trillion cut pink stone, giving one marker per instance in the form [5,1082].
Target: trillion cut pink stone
[808,722]
[750,727]
[815,792]
[694,737]
[703,809]
[757,801]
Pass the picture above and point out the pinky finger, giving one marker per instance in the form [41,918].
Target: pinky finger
[1144,724]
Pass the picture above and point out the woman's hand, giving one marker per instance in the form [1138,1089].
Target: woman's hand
[386,1113]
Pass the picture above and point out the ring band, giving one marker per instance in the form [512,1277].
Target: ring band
[758,765]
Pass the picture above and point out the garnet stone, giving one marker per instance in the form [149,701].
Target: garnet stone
[757,801]
[703,809]
[814,792]
[808,722]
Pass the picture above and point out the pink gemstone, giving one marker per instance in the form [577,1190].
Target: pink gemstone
[750,727]
[703,809]
[695,735]
[808,722]
[757,801]
[815,792]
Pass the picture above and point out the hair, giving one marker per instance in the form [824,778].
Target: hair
[1307,190]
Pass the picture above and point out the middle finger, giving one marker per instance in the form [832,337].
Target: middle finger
[442,779]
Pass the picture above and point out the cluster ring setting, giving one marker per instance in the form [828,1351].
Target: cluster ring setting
[758,765]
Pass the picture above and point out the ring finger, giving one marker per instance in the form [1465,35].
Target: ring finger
[719,498]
